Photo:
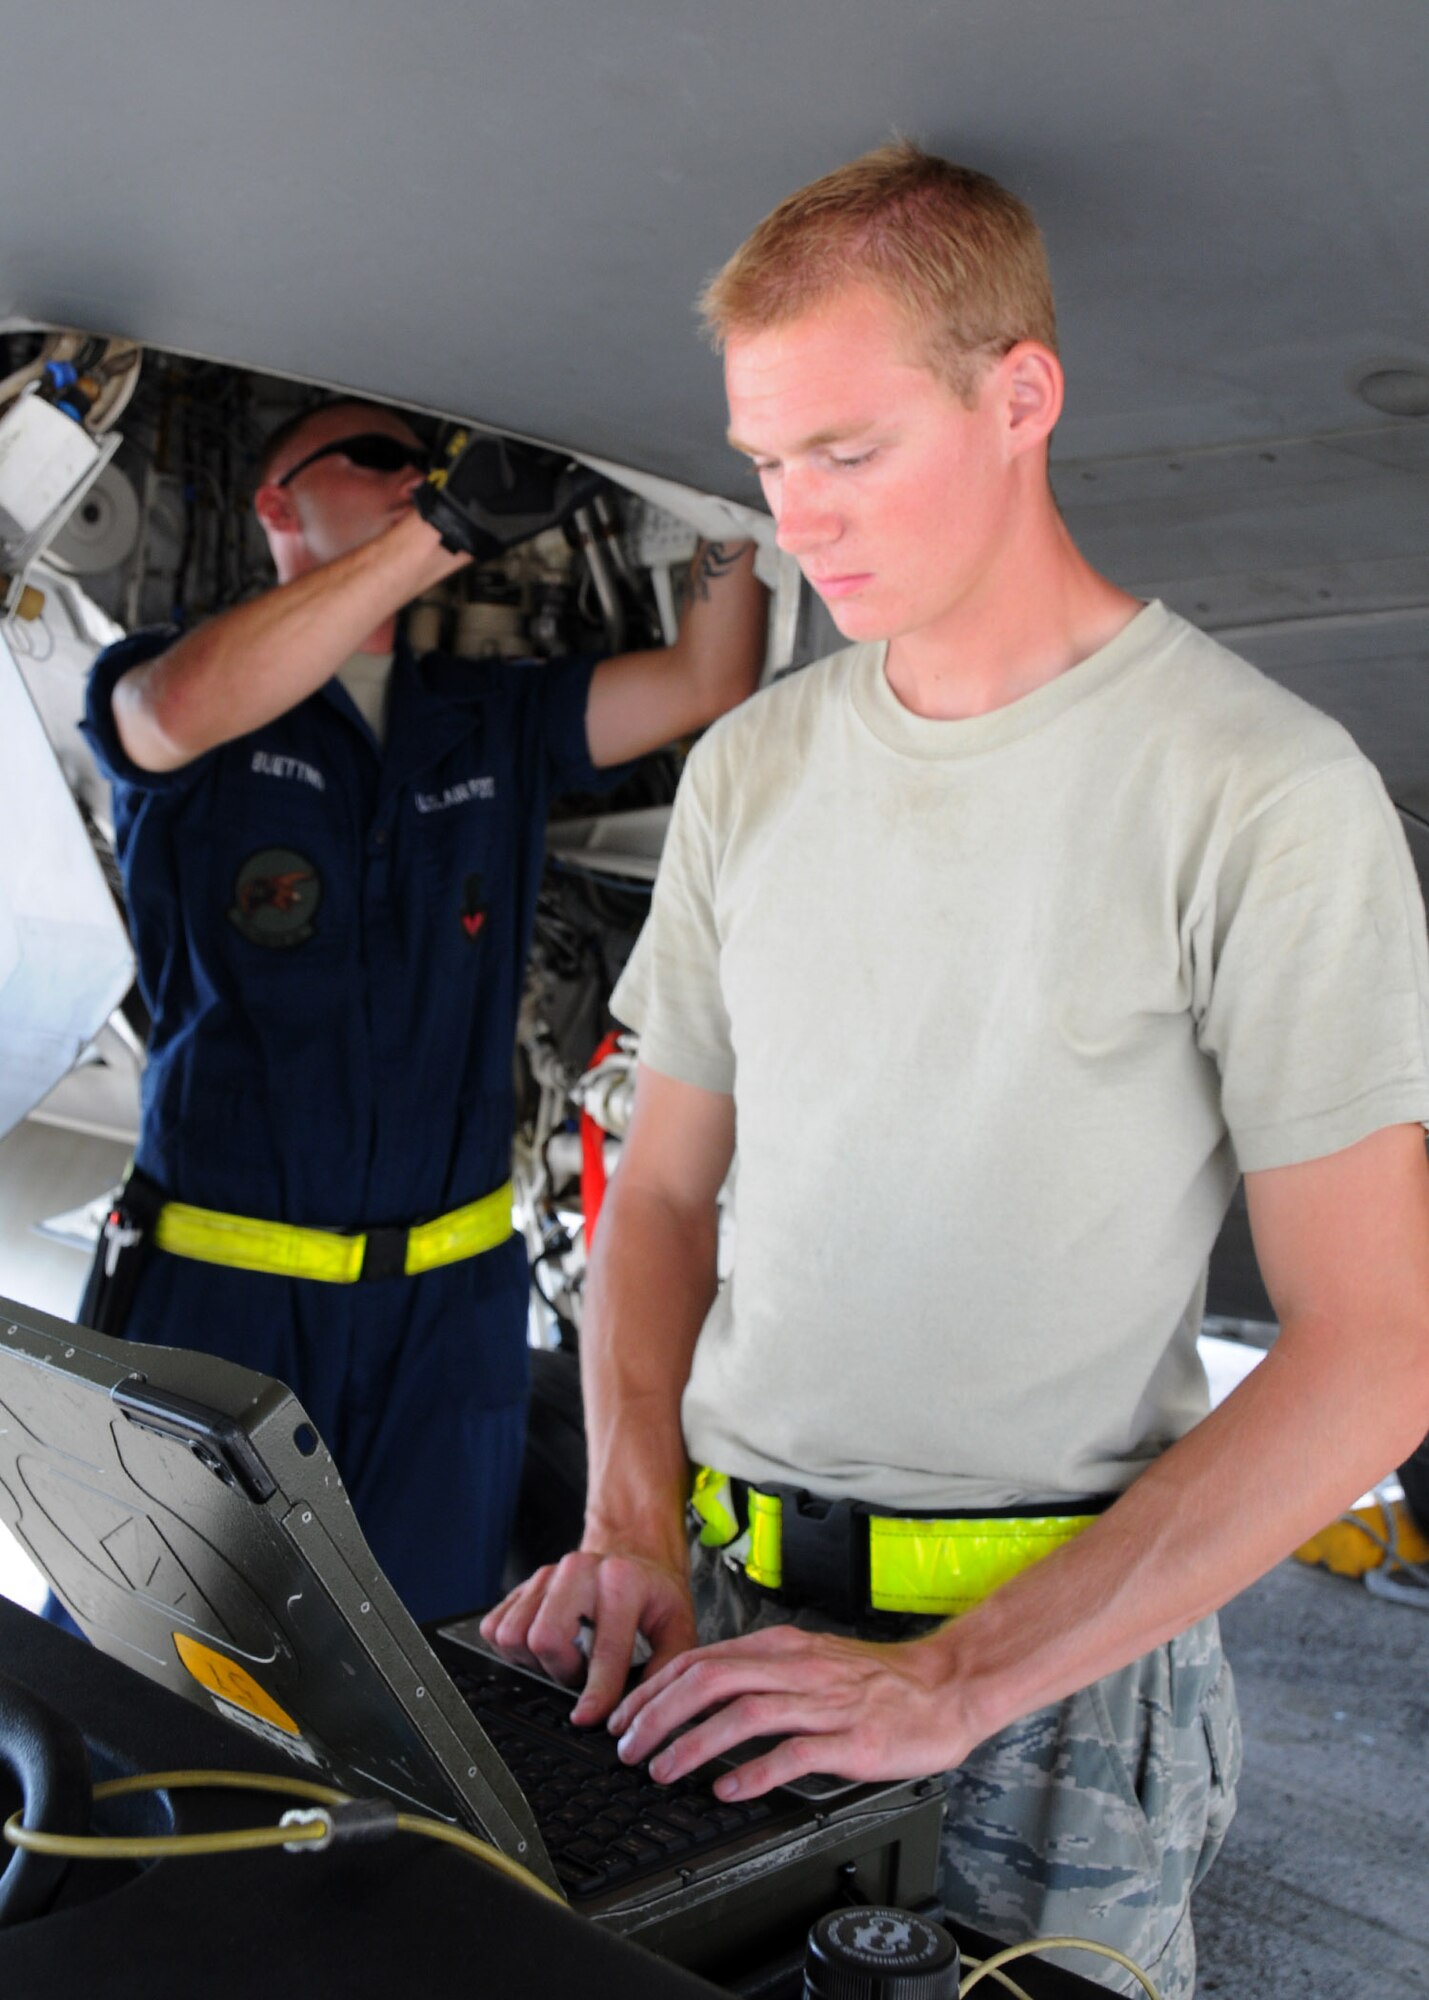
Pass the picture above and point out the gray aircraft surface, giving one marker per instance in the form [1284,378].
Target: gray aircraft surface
[505,215]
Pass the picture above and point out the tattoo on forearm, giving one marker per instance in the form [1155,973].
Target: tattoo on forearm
[712,560]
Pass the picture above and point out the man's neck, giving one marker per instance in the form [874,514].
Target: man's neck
[1009,636]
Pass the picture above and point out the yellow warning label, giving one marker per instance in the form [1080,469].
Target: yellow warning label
[225,1677]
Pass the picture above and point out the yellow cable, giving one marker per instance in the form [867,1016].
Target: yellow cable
[156,1847]
[105,1847]
[1018,1992]
[233,1781]
[999,1958]
[436,1829]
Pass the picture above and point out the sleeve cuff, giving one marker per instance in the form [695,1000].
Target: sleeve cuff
[98,723]
[567,740]
[1325,1132]
[686,1065]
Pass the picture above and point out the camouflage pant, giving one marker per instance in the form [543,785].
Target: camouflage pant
[1094,1818]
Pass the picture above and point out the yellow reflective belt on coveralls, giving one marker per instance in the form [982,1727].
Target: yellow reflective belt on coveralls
[935,1566]
[287,1250]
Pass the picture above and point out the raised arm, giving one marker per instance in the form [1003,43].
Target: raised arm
[1343,1395]
[241,669]
[651,1282]
[641,700]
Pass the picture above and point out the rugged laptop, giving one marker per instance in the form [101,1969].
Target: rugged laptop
[189,1517]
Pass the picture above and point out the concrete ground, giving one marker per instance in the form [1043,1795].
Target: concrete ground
[1322,1889]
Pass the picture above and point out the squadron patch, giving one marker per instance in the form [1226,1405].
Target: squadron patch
[473,906]
[275,898]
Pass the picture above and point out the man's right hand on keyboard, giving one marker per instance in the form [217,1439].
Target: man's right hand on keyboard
[540,1623]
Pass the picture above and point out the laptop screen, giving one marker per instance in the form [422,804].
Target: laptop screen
[192,1522]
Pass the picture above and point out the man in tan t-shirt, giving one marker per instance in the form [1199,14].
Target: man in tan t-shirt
[1007,937]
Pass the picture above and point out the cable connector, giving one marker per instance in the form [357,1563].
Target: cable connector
[355,1819]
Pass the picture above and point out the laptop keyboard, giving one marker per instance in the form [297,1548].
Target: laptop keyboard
[602,1820]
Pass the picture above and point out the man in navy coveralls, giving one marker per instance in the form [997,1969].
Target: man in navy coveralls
[331,850]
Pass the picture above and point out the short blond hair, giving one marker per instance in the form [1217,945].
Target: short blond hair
[955,251]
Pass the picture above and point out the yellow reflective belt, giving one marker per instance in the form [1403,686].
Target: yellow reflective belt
[287,1250]
[937,1567]
[464,1232]
[944,1567]
[765,1560]
[713,1500]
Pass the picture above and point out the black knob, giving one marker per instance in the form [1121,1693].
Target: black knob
[879,1954]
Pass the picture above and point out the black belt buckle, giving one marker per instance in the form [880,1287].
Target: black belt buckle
[384,1254]
[823,1554]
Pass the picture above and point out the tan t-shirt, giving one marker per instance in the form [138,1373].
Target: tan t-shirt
[1004,1004]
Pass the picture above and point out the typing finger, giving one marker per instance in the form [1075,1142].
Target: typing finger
[508,1624]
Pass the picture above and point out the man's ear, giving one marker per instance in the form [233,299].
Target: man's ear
[275,509]
[1034,388]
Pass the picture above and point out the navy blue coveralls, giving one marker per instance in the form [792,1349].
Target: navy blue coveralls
[331,941]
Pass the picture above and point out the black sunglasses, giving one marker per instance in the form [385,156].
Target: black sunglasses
[372,451]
